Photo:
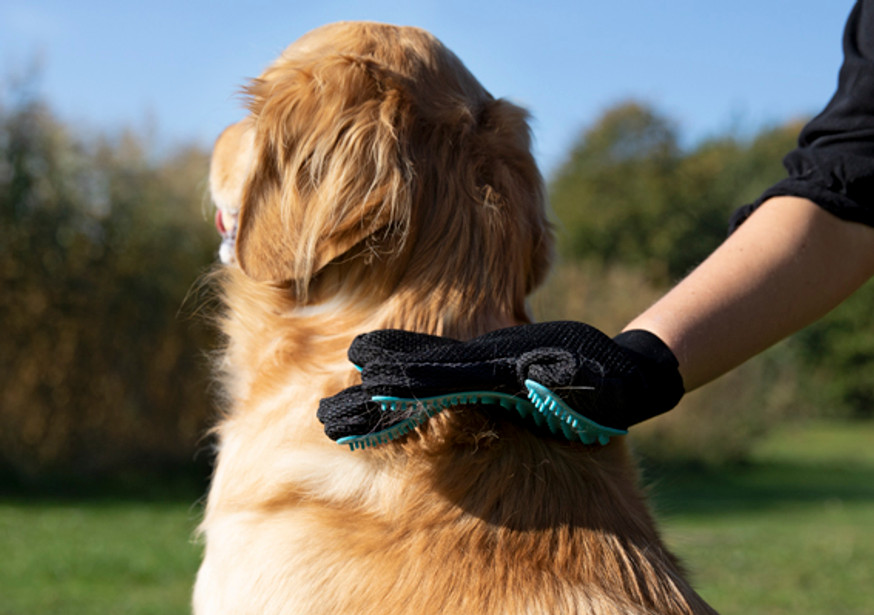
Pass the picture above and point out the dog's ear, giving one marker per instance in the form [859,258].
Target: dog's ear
[509,181]
[230,166]
[328,174]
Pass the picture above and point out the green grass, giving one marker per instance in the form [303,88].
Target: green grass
[790,532]
[96,556]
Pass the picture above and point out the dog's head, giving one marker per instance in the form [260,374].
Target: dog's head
[372,147]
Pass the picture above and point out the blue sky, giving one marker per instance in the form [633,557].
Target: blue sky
[174,68]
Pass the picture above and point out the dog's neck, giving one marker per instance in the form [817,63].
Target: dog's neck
[265,326]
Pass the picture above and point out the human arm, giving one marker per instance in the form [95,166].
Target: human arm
[788,261]
[784,268]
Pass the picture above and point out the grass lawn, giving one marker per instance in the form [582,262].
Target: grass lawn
[97,555]
[792,532]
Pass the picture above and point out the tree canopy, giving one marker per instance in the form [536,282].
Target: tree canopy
[630,194]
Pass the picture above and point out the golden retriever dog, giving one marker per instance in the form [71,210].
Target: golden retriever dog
[376,184]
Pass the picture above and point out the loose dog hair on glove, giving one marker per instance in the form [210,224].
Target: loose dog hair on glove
[376,184]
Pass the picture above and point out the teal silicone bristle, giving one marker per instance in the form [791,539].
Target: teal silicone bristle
[386,435]
[426,407]
[546,409]
[571,423]
[440,402]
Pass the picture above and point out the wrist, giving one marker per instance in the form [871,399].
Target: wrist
[659,369]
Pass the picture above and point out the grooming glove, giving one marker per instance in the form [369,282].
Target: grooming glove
[614,382]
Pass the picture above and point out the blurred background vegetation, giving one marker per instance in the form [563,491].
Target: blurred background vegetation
[102,368]
[105,387]
[103,357]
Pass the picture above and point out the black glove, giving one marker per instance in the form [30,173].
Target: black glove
[615,383]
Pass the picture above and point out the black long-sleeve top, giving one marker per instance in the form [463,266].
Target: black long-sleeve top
[833,165]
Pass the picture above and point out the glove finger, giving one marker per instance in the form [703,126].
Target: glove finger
[397,344]
[411,380]
[388,343]
[404,364]
[349,413]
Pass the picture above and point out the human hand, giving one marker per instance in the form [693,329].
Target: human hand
[614,383]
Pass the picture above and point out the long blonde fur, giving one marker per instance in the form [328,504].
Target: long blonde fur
[380,185]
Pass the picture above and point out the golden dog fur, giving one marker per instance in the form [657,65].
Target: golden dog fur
[379,185]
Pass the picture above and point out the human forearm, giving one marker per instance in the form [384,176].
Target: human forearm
[785,267]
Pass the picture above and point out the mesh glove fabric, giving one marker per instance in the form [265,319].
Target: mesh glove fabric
[615,382]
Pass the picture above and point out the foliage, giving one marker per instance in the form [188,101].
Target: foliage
[613,192]
[629,194]
[838,355]
[100,246]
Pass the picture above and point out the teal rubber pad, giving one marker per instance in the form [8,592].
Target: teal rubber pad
[543,407]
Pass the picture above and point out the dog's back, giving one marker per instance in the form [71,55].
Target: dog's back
[377,184]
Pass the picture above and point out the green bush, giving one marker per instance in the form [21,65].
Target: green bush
[99,369]
[837,354]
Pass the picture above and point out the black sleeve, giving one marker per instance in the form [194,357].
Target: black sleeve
[833,164]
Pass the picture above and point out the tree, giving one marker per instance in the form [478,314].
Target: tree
[100,246]
[628,194]
[612,194]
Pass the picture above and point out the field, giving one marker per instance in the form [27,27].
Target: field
[789,532]
[97,555]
